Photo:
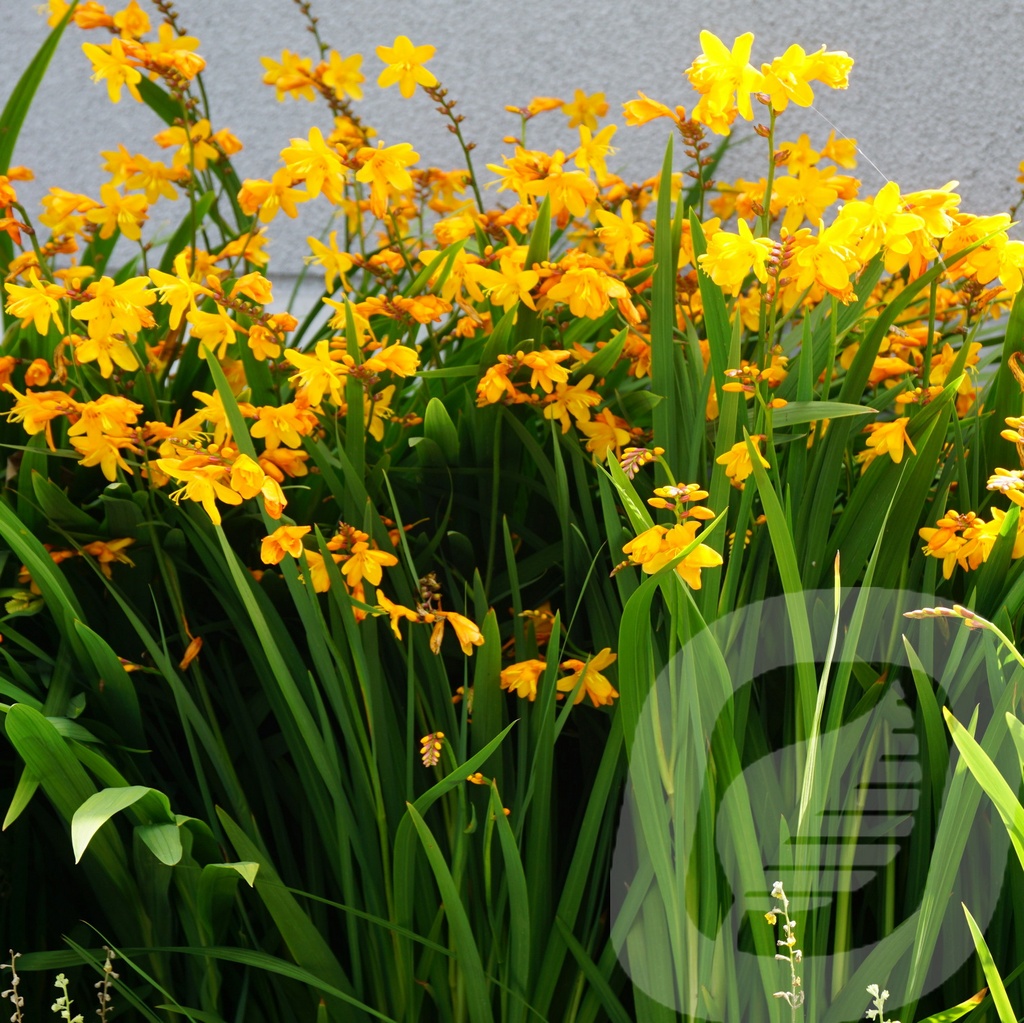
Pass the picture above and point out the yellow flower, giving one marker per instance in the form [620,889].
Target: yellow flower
[621,235]
[653,549]
[365,563]
[589,291]
[317,373]
[786,78]
[92,15]
[283,424]
[38,373]
[116,308]
[107,350]
[113,65]
[396,612]
[318,570]
[1008,481]
[376,409]
[584,109]
[521,678]
[544,104]
[194,145]
[526,166]
[827,259]
[595,685]
[342,74]
[495,384]
[268,197]
[106,552]
[247,478]
[545,371]
[886,439]
[736,460]
[571,399]
[104,450]
[125,213]
[397,358]
[253,286]
[430,748]
[284,540]
[605,433]
[215,331]
[386,170]
[335,262]
[466,631]
[506,286]
[36,410]
[38,303]
[316,163]
[643,109]
[422,308]
[132,22]
[570,192]
[291,77]
[806,195]
[205,482]
[725,79]
[731,257]
[405,66]
[154,178]
[832,68]
[594,149]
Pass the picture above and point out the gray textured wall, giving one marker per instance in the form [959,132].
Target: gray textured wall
[937,90]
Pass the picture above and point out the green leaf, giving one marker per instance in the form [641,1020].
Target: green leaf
[26,789]
[438,427]
[814,411]
[59,509]
[995,982]
[163,841]
[527,322]
[519,906]
[956,1011]
[462,937]
[280,968]
[667,378]
[200,1015]
[301,936]
[99,808]
[716,315]
[215,895]
[784,549]
[991,781]
[598,980]
[57,592]
[601,364]
[115,691]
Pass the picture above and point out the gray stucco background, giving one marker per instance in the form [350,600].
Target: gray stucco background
[937,90]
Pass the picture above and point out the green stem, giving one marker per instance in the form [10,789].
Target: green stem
[766,215]
[926,363]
